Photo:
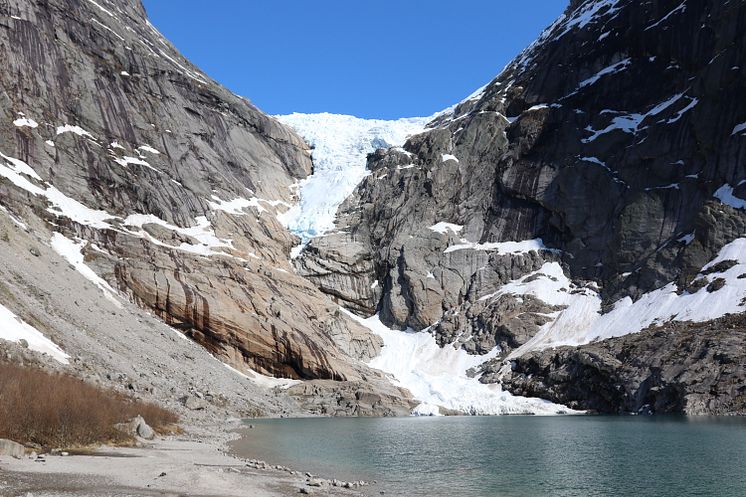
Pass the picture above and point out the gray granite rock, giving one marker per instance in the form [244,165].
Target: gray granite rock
[10,448]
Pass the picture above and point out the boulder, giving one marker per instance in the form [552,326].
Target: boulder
[11,449]
[137,427]
[194,403]
[144,430]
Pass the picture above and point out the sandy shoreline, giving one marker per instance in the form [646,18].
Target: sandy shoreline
[195,464]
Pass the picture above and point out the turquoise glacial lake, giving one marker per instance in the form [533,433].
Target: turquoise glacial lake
[584,456]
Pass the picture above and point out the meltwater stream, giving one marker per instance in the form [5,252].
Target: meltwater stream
[514,456]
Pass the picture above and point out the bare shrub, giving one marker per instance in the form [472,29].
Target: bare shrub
[55,411]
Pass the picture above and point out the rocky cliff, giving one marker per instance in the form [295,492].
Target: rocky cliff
[161,188]
[696,368]
[594,188]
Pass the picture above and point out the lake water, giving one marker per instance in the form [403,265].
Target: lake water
[514,456]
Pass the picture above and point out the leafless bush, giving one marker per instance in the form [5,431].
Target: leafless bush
[56,411]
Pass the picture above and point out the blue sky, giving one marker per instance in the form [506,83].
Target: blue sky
[370,58]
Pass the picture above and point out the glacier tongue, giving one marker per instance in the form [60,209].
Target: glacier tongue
[341,145]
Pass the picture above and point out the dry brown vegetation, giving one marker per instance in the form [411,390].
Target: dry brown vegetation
[59,411]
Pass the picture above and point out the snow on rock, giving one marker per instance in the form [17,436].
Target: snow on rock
[341,145]
[632,123]
[687,239]
[680,9]
[547,284]
[149,149]
[726,196]
[443,228]
[447,157]
[105,11]
[438,376]
[72,252]
[21,167]
[14,329]
[67,128]
[237,206]
[612,69]
[587,13]
[126,161]
[22,122]
[581,322]
[18,172]
[64,206]
[202,232]
[15,220]
[500,247]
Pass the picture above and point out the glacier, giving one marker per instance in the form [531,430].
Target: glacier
[341,144]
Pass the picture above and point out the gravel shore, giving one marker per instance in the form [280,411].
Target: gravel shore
[194,464]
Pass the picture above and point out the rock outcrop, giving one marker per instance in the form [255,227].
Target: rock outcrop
[693,368]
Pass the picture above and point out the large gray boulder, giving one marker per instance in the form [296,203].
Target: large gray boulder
[10,448]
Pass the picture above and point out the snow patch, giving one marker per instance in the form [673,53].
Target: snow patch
[581,321]
[726,196]
[739,129]
[631,123]
[22,122]
[262,380]
[612,69]
[72,252]
[237,206]
[148,148]
[443,228]
[15,220]
[687,239]
[67,128]
[438,376]
[126,161]
[500,247]
[586,14]
[14,329]
[202,232]
[680,8]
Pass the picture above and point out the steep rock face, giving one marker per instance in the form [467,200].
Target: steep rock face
[612,148]
[680,367]
[607,139]
[164,183]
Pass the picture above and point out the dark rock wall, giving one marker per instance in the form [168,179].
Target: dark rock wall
[693,368]
[606,138]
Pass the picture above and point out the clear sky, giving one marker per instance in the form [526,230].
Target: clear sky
[370,58]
